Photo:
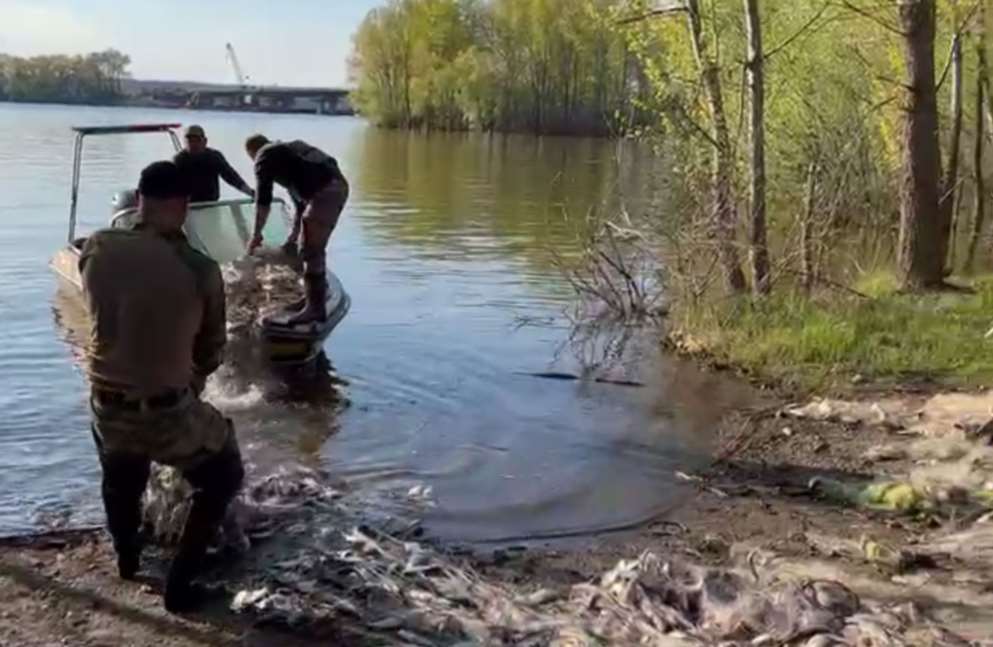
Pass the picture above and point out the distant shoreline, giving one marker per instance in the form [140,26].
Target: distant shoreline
[139,103]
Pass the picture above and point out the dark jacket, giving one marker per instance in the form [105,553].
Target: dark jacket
[203,170]
[299,167]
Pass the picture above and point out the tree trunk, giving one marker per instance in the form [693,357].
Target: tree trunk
[756,83]
[983,72]
[725,217]
[949,186]
[979,204]
[921,261]
[808,260]
[979,207]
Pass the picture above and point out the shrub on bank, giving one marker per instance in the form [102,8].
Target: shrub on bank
[830,339]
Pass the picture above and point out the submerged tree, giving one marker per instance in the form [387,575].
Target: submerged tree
[545,66]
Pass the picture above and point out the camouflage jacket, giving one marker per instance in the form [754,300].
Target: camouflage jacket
[157,311]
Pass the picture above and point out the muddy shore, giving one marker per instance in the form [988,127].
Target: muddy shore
[763,506]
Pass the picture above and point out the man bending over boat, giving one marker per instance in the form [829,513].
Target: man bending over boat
[203,166]
[157,308]
[319,191]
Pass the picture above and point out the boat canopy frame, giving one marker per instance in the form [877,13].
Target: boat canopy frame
[77,155]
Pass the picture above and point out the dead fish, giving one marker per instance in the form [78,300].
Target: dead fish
[569,377]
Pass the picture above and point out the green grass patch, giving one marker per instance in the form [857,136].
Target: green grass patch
[828,339]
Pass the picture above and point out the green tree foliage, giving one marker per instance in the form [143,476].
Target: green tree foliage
[836,103]
[544,66]
[95,77]
[835,109]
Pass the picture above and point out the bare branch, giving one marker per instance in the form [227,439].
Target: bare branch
[681,112]
[800,32]
[956,40]
[847,4]
[667,10]
[880,77]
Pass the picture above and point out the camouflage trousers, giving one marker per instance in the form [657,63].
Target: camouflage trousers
[180,435]
[190,435]
[320,217]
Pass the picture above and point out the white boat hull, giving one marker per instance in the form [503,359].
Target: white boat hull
[218,229]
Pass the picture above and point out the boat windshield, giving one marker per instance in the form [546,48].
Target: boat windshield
[221,230]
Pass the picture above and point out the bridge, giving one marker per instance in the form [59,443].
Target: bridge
[241,98]
[321,101]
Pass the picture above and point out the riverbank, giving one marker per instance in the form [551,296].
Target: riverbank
[781,518]
[847,339]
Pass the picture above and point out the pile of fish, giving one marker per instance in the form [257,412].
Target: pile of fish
[405,592]
[262,505]
[255,284]
[410,594]
[946,415]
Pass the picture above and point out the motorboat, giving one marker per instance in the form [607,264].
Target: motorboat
[221,230]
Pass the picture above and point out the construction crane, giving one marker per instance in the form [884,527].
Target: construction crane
[239,75]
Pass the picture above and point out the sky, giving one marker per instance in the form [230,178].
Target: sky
[284,42]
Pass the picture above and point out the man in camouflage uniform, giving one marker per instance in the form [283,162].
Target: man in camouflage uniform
[158,331]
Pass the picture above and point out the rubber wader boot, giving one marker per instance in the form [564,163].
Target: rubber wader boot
[129,559]
[181,594]
[124,480]
[316,289]
[128,543]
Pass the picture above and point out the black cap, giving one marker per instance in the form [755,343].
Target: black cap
[163,180]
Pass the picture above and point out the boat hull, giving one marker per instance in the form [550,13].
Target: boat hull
[65,264]
[300,344]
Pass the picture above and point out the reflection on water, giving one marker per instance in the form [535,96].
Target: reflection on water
[455,195]
[444,248]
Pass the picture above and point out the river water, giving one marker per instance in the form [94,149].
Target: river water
[445,248]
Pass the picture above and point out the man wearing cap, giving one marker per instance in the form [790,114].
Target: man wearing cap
[203,166]
[157,313]
[319,190]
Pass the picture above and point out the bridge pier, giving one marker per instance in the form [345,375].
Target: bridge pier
[314,100]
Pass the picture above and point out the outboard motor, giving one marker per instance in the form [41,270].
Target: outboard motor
[123,200]
[120,204]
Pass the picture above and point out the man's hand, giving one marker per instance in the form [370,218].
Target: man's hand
[255,243]
[293,240]
[292,245]
[249,191]
[261,217]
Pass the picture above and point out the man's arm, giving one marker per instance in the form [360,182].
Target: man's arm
[208,348]
[263,202]
[231,176]
[261,217]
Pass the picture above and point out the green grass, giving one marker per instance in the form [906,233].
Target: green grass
[826,341]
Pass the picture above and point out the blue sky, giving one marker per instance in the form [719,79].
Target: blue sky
[290,42]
